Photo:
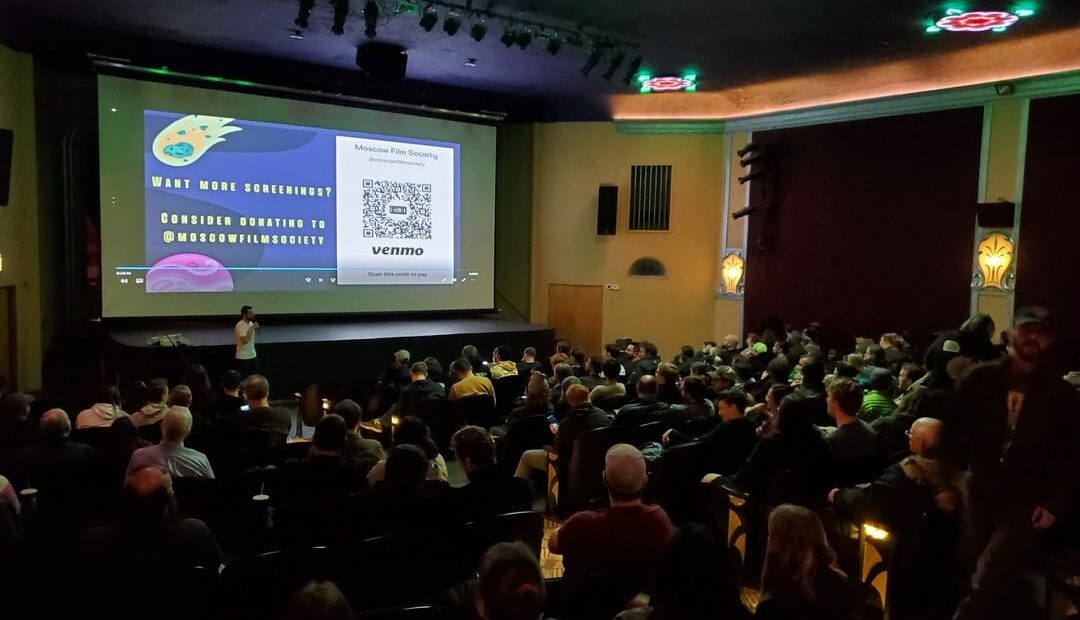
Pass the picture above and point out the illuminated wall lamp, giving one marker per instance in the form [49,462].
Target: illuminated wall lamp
[994,260]
[732,269]
[875,532]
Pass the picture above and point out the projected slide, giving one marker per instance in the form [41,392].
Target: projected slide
[235,205]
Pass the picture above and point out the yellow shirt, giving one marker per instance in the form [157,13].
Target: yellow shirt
[473,385]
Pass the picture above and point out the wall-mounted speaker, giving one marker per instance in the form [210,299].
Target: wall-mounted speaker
[995,214]
[607,209]
[7,142]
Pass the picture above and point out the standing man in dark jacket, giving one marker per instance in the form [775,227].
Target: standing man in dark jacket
[1017,425]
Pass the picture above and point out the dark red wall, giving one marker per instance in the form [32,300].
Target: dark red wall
[873,226]
[1050,213]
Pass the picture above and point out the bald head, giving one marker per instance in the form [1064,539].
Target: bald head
[177,424]
[54,425]
[147,481]
[924,435]
[577,395]
[646,386]
[148,498]
[624,472]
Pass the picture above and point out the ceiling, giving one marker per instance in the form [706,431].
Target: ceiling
[728,43]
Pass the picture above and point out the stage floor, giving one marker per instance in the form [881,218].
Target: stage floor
[275,331]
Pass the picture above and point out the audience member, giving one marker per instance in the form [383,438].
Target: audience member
[910,374]
[630,538]
[528,362]
[852,437]
[230,400]
[594,376]
[645,408]
[537,400]
[421,388]
[581,416]
[509,585]
[611,352]
[488,492]
[103,412]
[469,384]
[318,600]
[646,362]
[157,392]
[563,371]
[367,452]
[412,430]
[976,338]
[904,491]
[134,397]
[114,454]
[878,400]
[502,363]
[695,583]
[611,387]
[16,427]
[406,498]
[723,378]
[472,354]
[792,464]
[694,407]
[260,414]
[579,361]
[328,469]
[53,462]
[204,400]
[180,396]
[149,539]
[170,454]
[396,376]
[800,580]
[1016,423]
[667,383]
[765,415]
[776,373]
[435,372]
[732,440]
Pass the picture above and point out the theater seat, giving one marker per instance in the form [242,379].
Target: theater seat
[258,586]
[415,612]
[442,418]
[677,480]
[198,498]
[582,484]
[526,433]
[150,432]
[507,391]
[93,437]
[525,526]
[478,410]
[611,404]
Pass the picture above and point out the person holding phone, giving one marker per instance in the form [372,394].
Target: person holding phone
[246,359]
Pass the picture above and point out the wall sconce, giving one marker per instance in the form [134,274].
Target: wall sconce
[732,269]
[994,259]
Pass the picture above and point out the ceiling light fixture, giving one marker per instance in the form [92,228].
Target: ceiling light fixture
[632,70]
[296,35]
[478,31]
[595,56]
[341,13]
[554,43]
[508,36]
[616,62]
[667,83]
[470,62]
[959,20]
[305,13]
[452,23]
[429,18]
[524,37]
[371,19]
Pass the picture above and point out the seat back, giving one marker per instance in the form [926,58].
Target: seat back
[150,432]
[92,437]
[650,431]
[382,571]
[525,526]
[611,404]
[413,612]
[678,477]
[442,418]
[850,472]
[528,433]
[259,586]
[507,391]
[584,485]
[478,410]
[198,498]
[290,451]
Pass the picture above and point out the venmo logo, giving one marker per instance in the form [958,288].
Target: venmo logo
[392,251]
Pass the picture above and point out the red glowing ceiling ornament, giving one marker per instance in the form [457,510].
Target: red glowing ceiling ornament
[668,83]
[977,21]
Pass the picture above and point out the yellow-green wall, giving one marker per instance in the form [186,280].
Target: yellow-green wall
[569,161]
[18,221]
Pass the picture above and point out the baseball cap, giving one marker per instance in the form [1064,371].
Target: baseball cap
[1032,314]
[724,372]
[950,346]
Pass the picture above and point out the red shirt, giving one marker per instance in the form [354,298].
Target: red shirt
[623,538]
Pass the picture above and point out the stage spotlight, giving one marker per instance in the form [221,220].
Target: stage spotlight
[341,13]
[750,176]
[743,212]
[594,58]
[429,18]
[750,146]
[305,13]
[371,19]
[509,36]
[452,23]
[524,37]
[478,31]
[616,62]
[554,44]
[631,71]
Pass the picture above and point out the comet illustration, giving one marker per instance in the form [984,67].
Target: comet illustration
[187,139]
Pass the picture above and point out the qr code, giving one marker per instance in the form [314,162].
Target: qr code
[397,210]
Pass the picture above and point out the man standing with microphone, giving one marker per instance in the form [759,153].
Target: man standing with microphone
[246,361]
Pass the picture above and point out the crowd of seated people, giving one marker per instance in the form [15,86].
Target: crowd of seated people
[966,454]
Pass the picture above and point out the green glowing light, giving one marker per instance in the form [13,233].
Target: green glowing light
[1001,29]
[690,89]
[642,77]
[953,11]
[933,28]
[690,76]
[1023,12]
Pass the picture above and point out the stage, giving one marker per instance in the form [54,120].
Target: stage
[294,353]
